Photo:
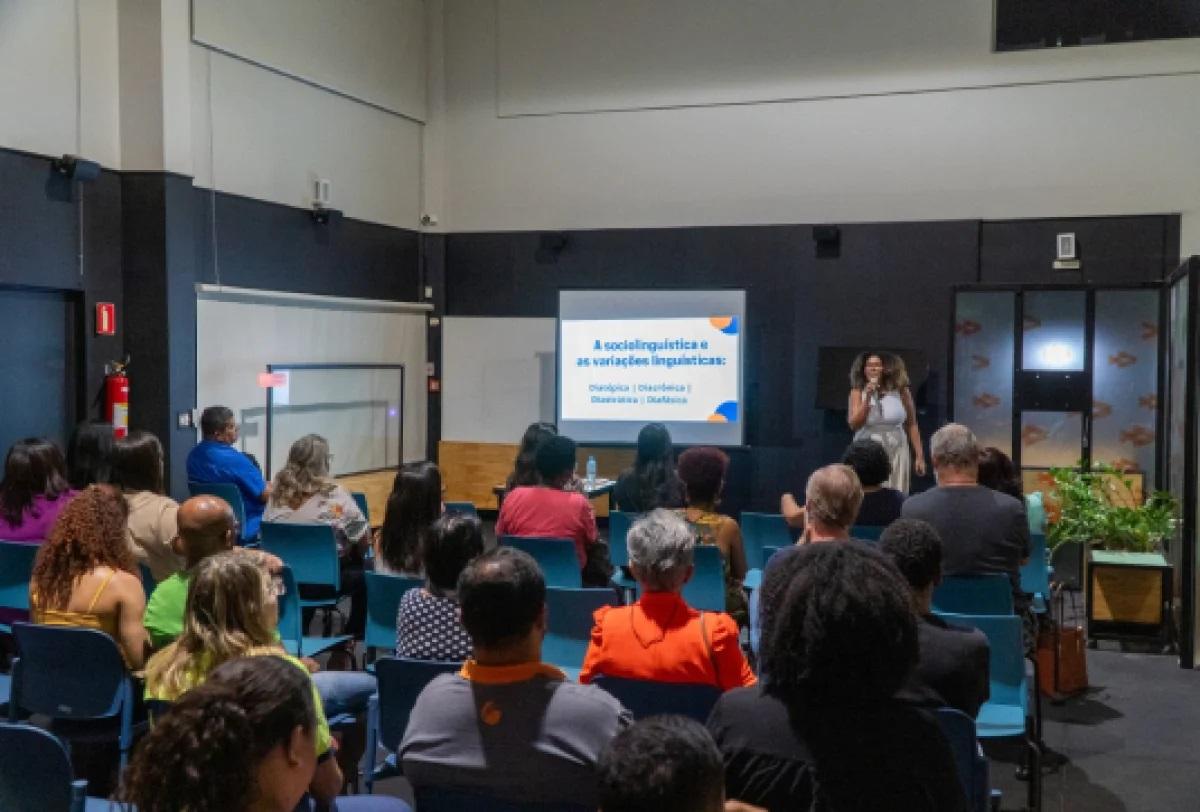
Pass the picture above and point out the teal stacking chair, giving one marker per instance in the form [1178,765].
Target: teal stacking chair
[16,571]
[866,532]
[1007,713]
[35,773]
[985,593]
[569,625]
[1035,573]
[618,550]
[646,698]
[760,531]
[465,508]
[452,799]
[291,624]
[360,499]
[310,550]
[232,496]
[148,582]
[383,602]
[706,590]
[556,557]
[969,761]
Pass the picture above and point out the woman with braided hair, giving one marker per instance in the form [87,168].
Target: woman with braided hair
[85,575]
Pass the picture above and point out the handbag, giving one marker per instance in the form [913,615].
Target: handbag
[1062,661]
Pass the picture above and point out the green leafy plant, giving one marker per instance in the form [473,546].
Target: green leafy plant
[1094,509]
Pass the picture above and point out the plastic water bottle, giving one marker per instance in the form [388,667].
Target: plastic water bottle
[591,471]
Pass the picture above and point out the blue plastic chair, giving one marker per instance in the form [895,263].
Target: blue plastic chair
[465,508]
[448,799]
[291,623]
[866,532]
[569,624]
[383,602]
[759,531]
[618,551]
[360,499]
[1006,714]
[148,582]
[706,590]
[556,557]
[985,593]
[969,760]
[72,673]
[1035,573]
[645,698]
[230,493]
[35,773]
[400,683]
[16,571]
[310,550]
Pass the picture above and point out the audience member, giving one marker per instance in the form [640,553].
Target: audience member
[216,460]
[981,530]
[662,764]
[137,469]
[34,490]
[413,505]
[85,575]
[549,511]
[952,665]
[833,496]
[304,493]
[881,504]
[427,623]
[996,471]
[651,482]
[823,729]
[508,725]
[525,471]
[660,637]
[89,454]
[702,471]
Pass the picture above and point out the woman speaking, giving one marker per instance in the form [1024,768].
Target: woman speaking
[882,409]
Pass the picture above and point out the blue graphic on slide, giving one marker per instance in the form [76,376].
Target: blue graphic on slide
[726,324]
[725,413]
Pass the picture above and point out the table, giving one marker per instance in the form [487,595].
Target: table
[1129,596]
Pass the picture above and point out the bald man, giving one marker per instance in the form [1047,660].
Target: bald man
[206,527]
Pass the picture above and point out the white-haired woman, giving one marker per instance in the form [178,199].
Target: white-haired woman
[660,637]
[304,493]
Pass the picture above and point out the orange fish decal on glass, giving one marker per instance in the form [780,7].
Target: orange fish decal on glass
[1149,331]
[1122,359]
[980,362]
[1124,464]
[1100,409]
[1148,402]
[986,401]
[1032,323]
[1137,436]
[1032,435]
[967,327]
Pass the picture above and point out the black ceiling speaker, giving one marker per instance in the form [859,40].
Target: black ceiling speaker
[828,240]
[550,246]
[324,215]
[76,168]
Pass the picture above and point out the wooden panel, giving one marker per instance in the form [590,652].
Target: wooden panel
[1127,594]
[377,485]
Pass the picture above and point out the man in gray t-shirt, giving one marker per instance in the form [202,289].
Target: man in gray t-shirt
[982,530]
[509,726]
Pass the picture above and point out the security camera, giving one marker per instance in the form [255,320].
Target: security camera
[76,168]
[429,220]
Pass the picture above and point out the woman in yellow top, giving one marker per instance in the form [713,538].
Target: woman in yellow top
[231,612]
[84,575]
[702,471]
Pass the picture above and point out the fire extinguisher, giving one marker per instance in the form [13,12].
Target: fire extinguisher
[116,396]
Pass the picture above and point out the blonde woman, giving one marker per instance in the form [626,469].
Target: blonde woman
[881,409]
[304,493]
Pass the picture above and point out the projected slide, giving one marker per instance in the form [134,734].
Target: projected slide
[626,358]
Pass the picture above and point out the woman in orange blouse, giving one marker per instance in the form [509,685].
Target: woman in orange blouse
[660,637]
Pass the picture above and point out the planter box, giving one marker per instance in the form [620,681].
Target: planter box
[1128,596]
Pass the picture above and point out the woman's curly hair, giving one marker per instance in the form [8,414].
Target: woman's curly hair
[202,755]
[895,374]
[89,533]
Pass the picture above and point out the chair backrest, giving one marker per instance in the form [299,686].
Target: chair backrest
[16,570]
[67,673]
[985,593]
[383,600]
[959,730]
[556,557]
[619,523]
[769,552]
[1006,657]
[360,499]
[447,799]
[866,532]
[1067,561]
[400,683]
[148,582]
[35,772]
[1035,573]
[465,508]
[291,622]
[645,698]
[759,531]
[569,623]
[706,590]
[309,549]
[227,491]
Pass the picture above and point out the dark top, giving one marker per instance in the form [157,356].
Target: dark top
[886,757]
[629,500]
[952,670]
[982,530]
[880,508]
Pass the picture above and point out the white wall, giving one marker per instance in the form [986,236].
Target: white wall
[1092,147]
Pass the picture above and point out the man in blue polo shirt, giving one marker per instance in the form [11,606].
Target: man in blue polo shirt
[216,460]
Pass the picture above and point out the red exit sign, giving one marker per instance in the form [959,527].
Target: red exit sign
[106,319]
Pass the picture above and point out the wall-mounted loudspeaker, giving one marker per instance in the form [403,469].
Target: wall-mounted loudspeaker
[75,168]
[550,246]
[828,240]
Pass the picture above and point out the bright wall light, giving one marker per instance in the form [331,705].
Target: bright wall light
[1056,355]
